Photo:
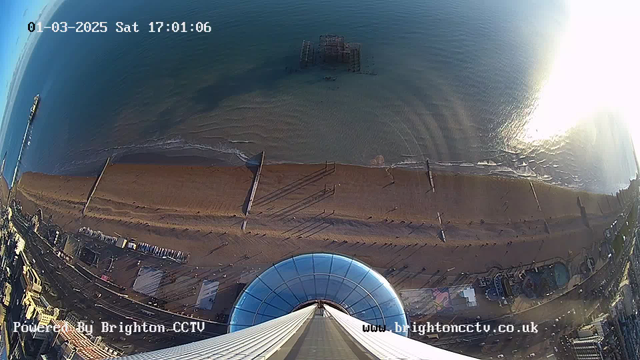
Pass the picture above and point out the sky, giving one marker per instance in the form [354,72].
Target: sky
[16,44]
[13,27]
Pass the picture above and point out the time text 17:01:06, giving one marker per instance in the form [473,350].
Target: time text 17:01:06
[120,27]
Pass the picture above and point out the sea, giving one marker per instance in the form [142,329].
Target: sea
[452,82]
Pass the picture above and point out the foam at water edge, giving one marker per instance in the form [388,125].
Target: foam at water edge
[155,145]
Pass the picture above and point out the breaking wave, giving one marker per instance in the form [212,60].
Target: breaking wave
[91,157]
[484,167]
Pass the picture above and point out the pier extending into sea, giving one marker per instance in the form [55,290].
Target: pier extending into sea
[16,170]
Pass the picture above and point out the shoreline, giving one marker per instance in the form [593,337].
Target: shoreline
[228,158]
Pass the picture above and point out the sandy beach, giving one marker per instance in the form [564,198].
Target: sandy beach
[386,218]
[189,208]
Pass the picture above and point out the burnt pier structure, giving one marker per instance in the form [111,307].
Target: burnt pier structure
[332,50]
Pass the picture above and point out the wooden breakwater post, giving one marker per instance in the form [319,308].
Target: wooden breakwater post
[430,175]
[95,185]
[544,218]
[583,213]
[533,190]
[254,186]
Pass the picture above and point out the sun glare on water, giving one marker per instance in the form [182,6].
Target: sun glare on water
[595,70]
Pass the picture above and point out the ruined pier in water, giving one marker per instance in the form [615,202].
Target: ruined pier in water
[307,54]
[331,50]
[95,185]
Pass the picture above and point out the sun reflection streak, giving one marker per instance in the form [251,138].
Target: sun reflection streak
[595,70]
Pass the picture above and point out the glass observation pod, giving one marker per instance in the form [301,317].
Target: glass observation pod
[343,282]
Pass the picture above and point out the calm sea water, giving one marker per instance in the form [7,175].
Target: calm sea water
[450,77]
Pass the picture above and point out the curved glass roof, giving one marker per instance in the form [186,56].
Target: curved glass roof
[359,290]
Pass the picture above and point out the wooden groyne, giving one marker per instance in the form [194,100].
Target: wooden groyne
[254,186]
[430,177]
[533,190]
[544,218]
[95,185]
[583,213]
